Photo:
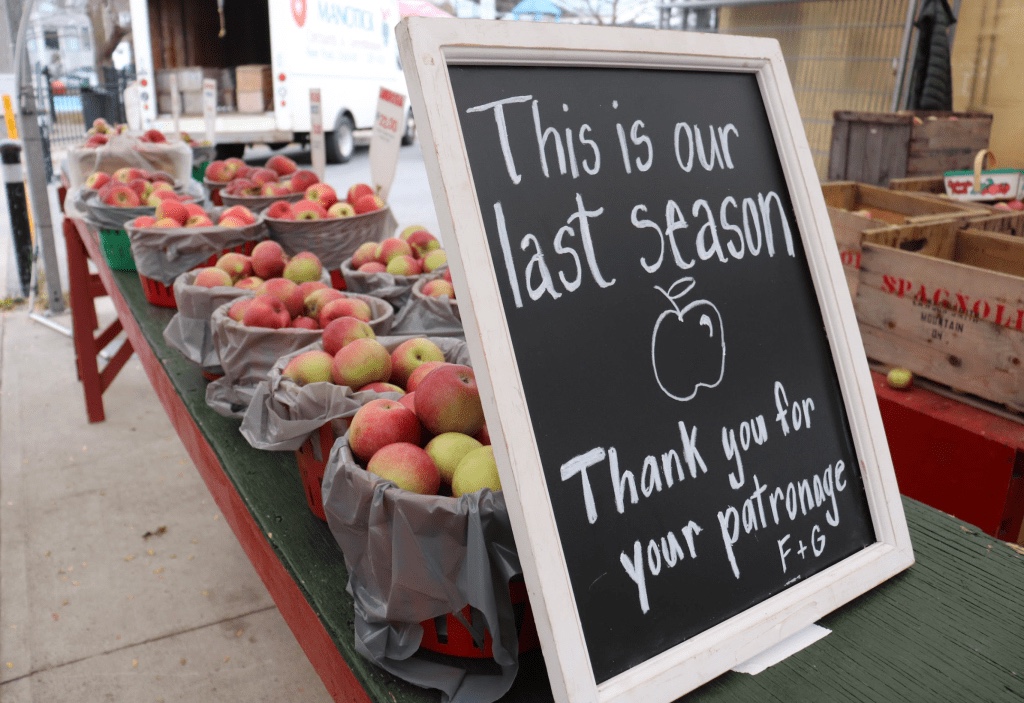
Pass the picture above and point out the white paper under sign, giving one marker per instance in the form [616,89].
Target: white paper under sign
[210,108]
[317,147]
[388,127]
[175,104]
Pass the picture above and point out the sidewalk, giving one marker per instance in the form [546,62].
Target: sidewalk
[92,608]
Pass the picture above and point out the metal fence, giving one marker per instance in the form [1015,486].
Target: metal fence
[68,105]
[841,54]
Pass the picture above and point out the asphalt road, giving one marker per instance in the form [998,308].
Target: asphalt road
[410,198]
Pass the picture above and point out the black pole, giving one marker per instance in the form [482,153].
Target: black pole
[10,157]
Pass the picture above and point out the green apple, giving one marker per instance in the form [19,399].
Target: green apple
[448,449]
[477,470]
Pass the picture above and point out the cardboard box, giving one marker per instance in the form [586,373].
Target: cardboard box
[948,305]
[253,78]
[255,101]
[854,208]
[190,78]
[872,147]
[192,102]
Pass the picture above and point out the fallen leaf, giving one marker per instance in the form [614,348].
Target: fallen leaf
[191,557]
[205,593]
[76,583]
[135,663]
[150,552]
[55,616]
[158,570]
[227,659]
[194,540]
[47,554]
[10,665]
[129,557]
[183,661]
[239,632]
[155,533]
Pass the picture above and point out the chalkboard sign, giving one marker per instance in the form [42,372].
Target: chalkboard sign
[687,433]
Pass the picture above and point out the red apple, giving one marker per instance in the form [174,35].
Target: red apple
[407,466]
[250,283]
[366,253]
[266,311]
[238,266]
[301,180]
[308,210]
[361,361]
[379,423]
[304,267]
[390,248]
[372,267]
[357,191]
[268,259]
[343,330]
[344,307]
[419,373]
[281,210]
[422,243]
[368,203]
[448,400]
[381,387]
[322,194]
[212,277]
[341,209]
[411,354]
[438,288]
[287,292]
[315,301]
[305,323]
[97,180]
[282,165]
[237,311]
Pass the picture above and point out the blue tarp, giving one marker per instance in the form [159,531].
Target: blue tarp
[537,8]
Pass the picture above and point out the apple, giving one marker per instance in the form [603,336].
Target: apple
[366,252]
[266,311]
[447,400]
[315,301]
[379,423]
[357,191]
[359,362]
[250,283]
[1016,205]
[287,292]
[97,180]
[693,333]
[407,232]
[447,450]
[305,323]
[262,176]
[381,387]
[422,243]
[419,373]
[237,311]
[282,165]
[483,436]
[309,367]
[304,267]
[301,180]
[211,277]
[409,401]
[268,259]
[199,221]
[281,210]
[390,248]
[900,379]
[238,266]
[477,470]
[241,212]
[372,267]
[341,209]
[308,210]
[368,203]
[438,288]
[310,286]
[407,466]
[435,260]
[173,209]
[404,266]
[343,307]
[322,194]
[143,221]
[167,223]
[411,354]
[231,222]
[153,135]
[122,196]
[342,331]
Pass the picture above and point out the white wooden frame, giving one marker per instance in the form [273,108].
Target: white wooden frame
[427,48]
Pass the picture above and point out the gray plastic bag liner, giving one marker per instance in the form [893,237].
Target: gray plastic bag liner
[427,315]
[189,330]
[163,254]
[248,353]
[125,150]
[334,239]
[411,558]
[394,289]
[103,216]
[283,414]
[256,203]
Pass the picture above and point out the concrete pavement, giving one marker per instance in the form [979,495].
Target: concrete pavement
[119,580]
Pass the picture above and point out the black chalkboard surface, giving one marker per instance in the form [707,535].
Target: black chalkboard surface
[657,294]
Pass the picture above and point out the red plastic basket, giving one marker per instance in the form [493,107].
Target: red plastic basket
[163,296]
[209,376]
[337,280]
[312,469]
[446,635]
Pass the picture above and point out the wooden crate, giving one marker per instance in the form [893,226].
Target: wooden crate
[873,147]
[935,187]
[948,304]
[854,208]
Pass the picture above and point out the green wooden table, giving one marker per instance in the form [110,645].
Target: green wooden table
[951,628]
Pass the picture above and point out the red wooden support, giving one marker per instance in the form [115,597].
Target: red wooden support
[957,458]
[85,288]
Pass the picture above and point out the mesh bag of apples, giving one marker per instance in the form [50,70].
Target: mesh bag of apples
[251,334]
[412,495]
[306,390]
[328,225]
[432,309]
[391,268]
[108,148]
[180,236]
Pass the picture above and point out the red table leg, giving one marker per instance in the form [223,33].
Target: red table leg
[85,288]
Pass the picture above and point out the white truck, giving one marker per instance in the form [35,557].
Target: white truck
[346,48]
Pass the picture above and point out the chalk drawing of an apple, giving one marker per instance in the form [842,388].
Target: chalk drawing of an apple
[688,344]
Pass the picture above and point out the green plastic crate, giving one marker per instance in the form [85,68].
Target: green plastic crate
[199,171]
[117,248]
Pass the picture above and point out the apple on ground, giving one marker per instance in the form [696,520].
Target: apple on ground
[309,367]
[447,450]
[477,470]
[304,267]
[360,362]
[268,259]
[211,277]
[379,423]
[410,355]
[407,466]
[419,373]
[435,260]
[438,288]
[447,400]
[342,331]
[341,209]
